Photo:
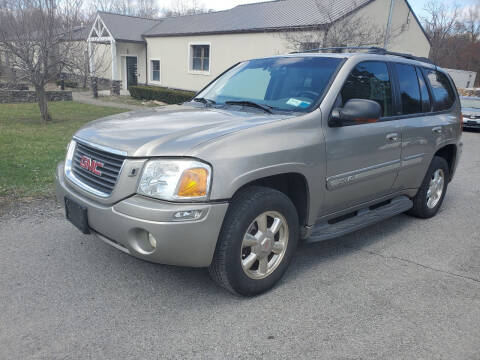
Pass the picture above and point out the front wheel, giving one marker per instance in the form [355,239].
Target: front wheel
[258,239]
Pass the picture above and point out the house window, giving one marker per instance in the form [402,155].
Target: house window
[200,57]
[155,66]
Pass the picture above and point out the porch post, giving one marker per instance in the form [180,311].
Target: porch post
[116,84]
[91,63]
[113,47]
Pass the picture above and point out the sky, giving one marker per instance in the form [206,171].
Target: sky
[417,5]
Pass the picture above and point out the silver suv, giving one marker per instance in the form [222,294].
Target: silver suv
[276,150]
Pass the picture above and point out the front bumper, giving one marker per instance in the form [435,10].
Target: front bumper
[126,224]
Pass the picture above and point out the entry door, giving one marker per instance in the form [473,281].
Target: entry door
[131,71]
[363,160]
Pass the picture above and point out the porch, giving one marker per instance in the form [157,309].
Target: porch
[123,62]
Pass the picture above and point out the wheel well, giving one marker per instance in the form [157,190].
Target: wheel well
[449,153]
[293,185]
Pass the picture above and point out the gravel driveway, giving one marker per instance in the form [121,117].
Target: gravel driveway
[404,288]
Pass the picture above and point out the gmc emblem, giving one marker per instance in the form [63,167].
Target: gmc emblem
[91,165]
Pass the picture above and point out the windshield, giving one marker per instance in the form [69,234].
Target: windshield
[284,83]
[471,103]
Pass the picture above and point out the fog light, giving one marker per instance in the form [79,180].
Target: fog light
[152,240]
[188,215]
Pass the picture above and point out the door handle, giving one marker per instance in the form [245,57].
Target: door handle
[393,137]
[437,130]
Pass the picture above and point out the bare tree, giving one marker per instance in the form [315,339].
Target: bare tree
[347,29]
[470,22]
[184,7]
[455,34]
[142,8]
[440,23]
[79,61]
[37,35]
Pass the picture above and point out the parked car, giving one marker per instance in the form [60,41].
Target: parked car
[275,150]
[471,112]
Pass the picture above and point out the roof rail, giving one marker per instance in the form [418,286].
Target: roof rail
[341,49]
[369,50]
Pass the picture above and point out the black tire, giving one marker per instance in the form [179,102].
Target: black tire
[420,208]
[226,268]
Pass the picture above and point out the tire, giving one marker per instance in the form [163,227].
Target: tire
[234,266]
[421,206]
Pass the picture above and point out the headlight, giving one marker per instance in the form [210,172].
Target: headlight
[175,180]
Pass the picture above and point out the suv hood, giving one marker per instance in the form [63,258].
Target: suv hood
[171,130]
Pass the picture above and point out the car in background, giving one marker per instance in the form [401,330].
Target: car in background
[471,112]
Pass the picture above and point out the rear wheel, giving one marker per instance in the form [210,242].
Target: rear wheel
[258,239]
[430,196]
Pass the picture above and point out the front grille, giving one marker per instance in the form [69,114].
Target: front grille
[112,164]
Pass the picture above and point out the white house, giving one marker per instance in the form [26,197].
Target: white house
[462,78]
[187,52]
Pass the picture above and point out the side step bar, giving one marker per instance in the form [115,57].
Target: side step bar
[362,218]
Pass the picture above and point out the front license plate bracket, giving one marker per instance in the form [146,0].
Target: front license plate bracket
[77,215]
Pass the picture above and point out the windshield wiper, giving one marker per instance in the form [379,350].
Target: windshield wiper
[205,101]
[265,108]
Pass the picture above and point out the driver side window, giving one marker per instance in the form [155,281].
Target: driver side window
[369,80]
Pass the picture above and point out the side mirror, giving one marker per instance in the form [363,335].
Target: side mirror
[356,111]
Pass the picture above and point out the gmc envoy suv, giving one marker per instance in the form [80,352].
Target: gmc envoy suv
[306,146]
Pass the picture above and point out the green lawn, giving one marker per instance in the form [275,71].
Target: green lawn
[30,150]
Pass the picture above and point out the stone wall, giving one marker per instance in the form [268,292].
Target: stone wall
[24,96]
[13,86]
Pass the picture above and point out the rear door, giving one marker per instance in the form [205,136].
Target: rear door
[363,159]
[426,97]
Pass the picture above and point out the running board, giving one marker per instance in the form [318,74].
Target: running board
[362,218]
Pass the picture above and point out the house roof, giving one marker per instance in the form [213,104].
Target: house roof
[125,27]
[265,16]
[269,15]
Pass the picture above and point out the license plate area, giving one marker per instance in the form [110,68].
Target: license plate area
[77,215]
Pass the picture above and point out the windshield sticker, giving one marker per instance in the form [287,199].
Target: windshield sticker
[298,103]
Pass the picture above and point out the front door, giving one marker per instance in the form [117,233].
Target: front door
[131,71]
[363,159]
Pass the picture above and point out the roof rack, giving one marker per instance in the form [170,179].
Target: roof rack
[369,50]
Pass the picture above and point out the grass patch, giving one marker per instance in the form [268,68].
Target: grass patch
[30,150]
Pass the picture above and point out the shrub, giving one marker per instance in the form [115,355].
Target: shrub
[169,96]
[67,83]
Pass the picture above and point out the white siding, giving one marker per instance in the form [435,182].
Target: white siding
[228,49]
[463,79]
[225,50]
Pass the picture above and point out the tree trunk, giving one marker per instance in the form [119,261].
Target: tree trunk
[325,36]
[42,103]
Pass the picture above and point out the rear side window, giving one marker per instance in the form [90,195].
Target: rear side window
[442,90]
[370,80]
[409,89]
[426,104]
